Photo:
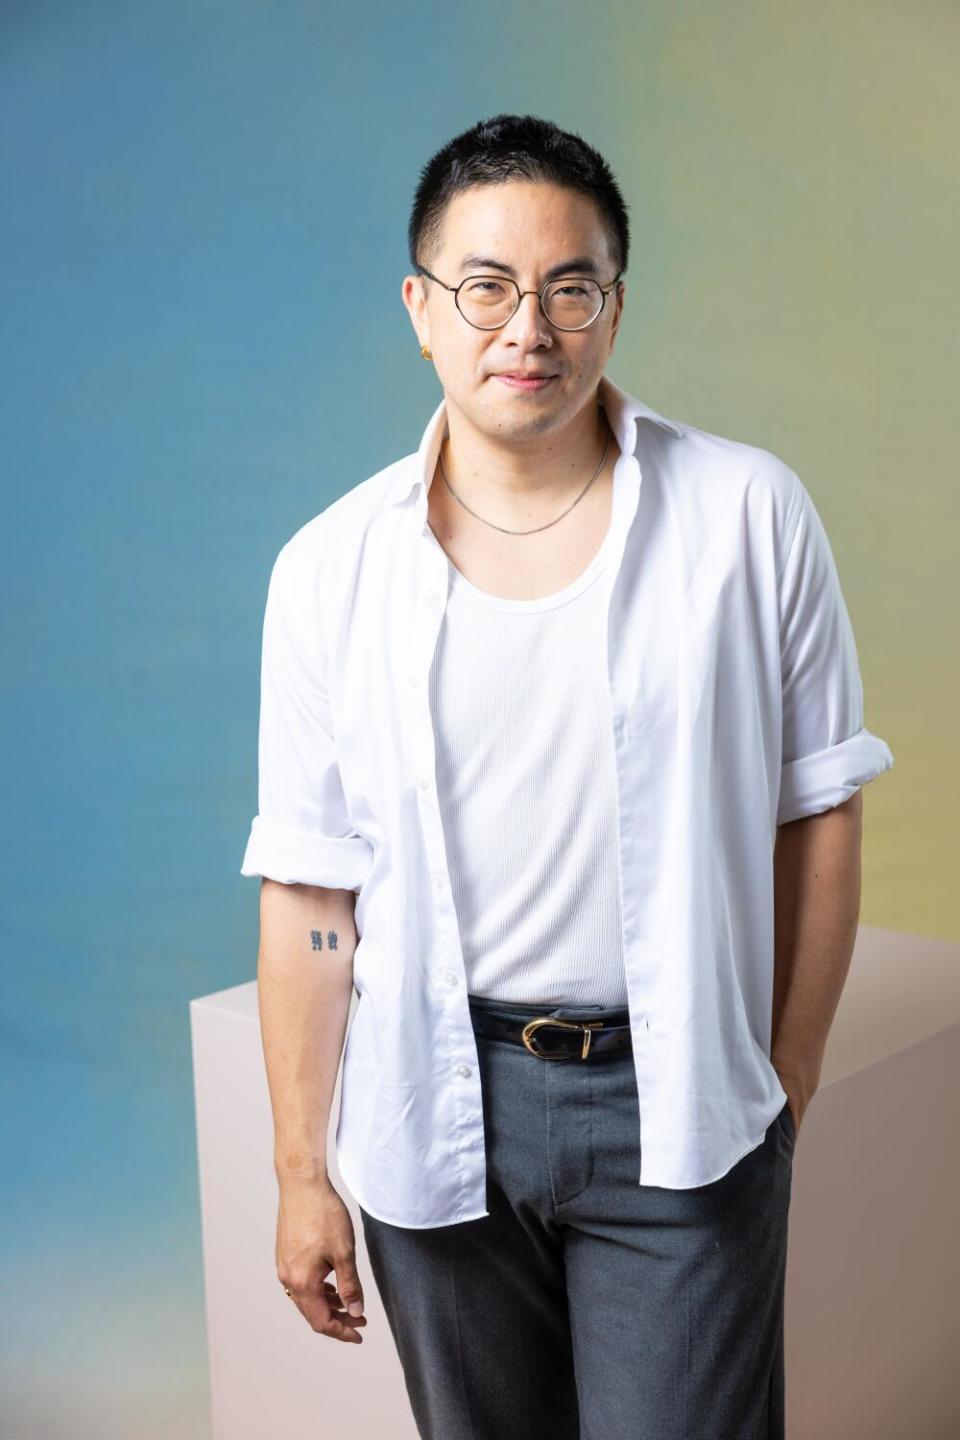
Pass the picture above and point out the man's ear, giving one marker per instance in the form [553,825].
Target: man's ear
[411,293]
[614,329]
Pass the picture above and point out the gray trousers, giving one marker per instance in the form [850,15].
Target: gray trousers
[586,1306]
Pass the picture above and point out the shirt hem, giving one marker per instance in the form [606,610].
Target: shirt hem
[403,1224]
[754,1145]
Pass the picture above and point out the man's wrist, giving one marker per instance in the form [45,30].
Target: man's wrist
[798,1074]
[297,1167]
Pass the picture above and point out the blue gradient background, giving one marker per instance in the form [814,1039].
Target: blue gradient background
[184,186]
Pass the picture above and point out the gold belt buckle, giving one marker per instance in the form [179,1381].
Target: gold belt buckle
[587,1026]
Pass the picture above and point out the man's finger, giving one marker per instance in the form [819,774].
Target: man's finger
[348,1285]
[325,1320]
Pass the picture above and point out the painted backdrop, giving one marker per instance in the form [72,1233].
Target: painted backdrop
[203,343]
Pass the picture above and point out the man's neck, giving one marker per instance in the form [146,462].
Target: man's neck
[537,480]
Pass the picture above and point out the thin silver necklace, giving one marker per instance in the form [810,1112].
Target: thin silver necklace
[536,527]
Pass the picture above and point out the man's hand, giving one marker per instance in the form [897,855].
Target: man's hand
[314,1236]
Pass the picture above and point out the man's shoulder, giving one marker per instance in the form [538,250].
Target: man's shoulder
[721,469]
[340,527]
[724,456]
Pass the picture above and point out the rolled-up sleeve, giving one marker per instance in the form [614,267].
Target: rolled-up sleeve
[828,753]
[302,832]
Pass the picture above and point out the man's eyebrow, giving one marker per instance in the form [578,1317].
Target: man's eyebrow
[579,265]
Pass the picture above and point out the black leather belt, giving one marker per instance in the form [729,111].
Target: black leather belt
[550,1038]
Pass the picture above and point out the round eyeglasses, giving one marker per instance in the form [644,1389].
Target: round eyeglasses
[489,301]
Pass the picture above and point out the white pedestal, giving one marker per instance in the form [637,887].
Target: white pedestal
[873,1274]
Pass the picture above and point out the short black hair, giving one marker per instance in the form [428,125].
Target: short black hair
[513,147]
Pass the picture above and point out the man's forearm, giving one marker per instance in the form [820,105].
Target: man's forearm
[816,913]
[304,984]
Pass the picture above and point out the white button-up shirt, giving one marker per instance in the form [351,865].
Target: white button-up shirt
[736,705]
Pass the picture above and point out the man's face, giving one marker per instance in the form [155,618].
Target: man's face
[532,228]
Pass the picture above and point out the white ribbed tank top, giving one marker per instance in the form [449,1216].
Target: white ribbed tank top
[526,781]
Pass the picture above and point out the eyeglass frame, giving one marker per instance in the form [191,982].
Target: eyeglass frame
[565,329]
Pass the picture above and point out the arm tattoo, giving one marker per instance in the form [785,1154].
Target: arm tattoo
[316,939]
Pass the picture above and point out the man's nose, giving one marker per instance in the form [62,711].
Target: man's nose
[528,319]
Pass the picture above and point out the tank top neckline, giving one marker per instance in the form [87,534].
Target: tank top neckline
[460,583]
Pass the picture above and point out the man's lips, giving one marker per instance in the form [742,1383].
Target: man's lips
[532,381]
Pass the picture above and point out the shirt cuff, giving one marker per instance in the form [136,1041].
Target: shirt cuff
[295,857]
[828,777]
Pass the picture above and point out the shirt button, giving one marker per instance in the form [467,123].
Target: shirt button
[423,782]
[450,978]
[433,596]
[411,680]
[439,881]
[463,1069]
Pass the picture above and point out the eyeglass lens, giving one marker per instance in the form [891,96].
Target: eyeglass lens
[488,301]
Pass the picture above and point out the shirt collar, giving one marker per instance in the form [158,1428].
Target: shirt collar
[623,412]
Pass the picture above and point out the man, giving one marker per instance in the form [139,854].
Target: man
[561,758]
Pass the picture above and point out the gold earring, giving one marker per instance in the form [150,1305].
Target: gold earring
[425,352]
